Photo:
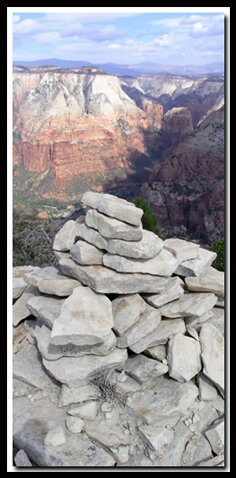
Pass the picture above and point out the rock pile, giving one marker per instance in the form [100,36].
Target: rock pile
[119,351]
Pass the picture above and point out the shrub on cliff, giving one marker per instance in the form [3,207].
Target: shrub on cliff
[149,219]
[219,248]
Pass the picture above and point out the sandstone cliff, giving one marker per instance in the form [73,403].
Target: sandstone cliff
[187,187]
[74,123]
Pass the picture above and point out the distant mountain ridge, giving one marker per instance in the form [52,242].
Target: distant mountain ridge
[132,70]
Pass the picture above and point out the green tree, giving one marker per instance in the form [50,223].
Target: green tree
[219,248]
[149,219]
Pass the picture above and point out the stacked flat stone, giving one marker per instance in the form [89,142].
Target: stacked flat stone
[144,314]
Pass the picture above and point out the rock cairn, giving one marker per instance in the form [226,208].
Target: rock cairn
[119,351]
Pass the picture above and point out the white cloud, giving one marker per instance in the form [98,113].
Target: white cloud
[16,18]
[26,26]
[47,37]
[115,46]
[162,41]
[198,27]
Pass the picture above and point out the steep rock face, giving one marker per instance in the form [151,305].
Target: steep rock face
[187,187]
[73,122]
[176,125]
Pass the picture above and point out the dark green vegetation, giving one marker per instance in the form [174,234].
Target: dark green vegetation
[149,219]
[219,248]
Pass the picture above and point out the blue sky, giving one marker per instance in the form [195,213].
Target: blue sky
[125,38]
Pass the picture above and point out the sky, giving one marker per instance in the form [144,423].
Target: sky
[124,38]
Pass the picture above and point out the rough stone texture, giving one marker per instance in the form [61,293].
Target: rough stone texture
[74,424]
[158,352]
[163,332]
[146,324]
[175,450]
[148,247]
[114,207]
[112,228]
[183,357]
[126,311]
[173,290]
[212,344]
[91,236]
[50,281]
[192,304]
[19,285]
[66,237]
[197,267]
[31,427]
[69,396]
[191,321]
[55,437]
[85,319]
[76,371]
[142,368]
[86,411]
[86,254]
[28,368]
[21,459]
[164,398]
[215,435]
[197,449]
[20,309]
[164,264]
[107,281]
[20,271]
[207,391]
[156,437]
[51,351]
[182,250]
[46,309]
[212,281]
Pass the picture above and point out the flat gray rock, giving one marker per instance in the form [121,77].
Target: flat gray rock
[19,285]
[212,281]
[215,435]
[28,368]
[114,207]
[86,411]
[195,319]
[66,237]
[112,228]
[50,281]
[158,352]
[106,281]
[182,250]
[165,397]
[46,309]
[126,311]
[32,422]
[148,247]
[20,309]
[220,302]
[197,449]
[50,351]
[163,332]
[174,451]
[74,424]
[85,254]
[77,371]
[21,459]
[207,390]
[212,344]
[142,368]
[183,357]
[74,395]
[146,324]
[189,305]
[164,264]
[85,319]
[174,289]
[20,271]
[91,236]
[156,437]
[197,267]
[55,437]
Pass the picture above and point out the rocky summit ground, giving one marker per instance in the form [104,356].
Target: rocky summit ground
[119,349]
